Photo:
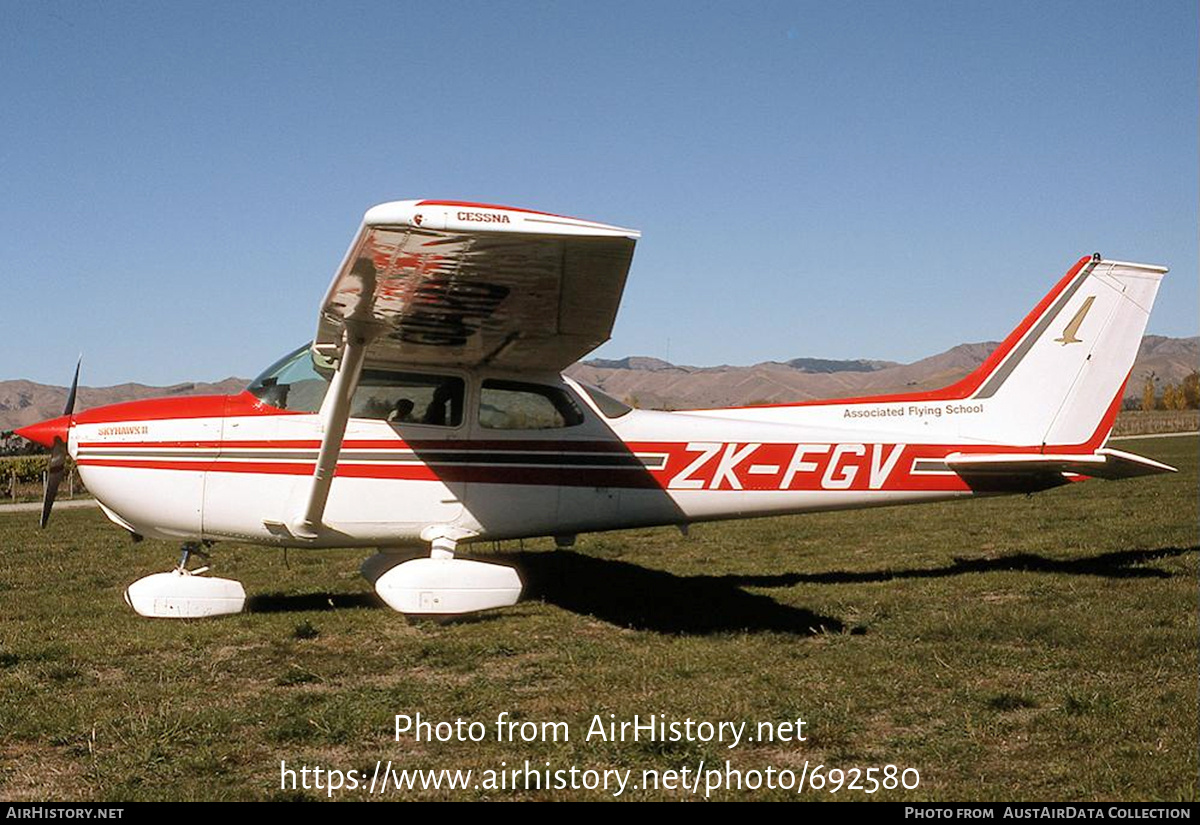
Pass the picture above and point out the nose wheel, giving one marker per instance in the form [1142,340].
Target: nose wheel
[185,593]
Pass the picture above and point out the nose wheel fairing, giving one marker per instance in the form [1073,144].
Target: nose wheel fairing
[185,594]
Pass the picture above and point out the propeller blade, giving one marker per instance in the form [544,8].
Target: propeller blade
[70,405]
[58,455]
[58,461]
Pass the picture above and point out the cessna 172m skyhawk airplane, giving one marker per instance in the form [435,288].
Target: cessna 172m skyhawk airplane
[429,410]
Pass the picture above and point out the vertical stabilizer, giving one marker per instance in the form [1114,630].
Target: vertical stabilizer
[1060,382]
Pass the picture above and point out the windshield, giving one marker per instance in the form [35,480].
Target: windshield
[293,382]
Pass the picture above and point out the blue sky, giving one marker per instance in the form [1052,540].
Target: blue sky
[178,181]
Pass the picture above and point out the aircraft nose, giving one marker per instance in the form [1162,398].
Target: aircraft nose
[44,432]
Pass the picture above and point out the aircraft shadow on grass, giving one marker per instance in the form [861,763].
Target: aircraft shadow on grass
[303,602]
[627,595]
[616,592]
[1116,565]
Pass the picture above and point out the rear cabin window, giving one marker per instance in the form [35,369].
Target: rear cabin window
[512,405]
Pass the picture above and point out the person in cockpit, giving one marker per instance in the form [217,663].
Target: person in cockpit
[402,412]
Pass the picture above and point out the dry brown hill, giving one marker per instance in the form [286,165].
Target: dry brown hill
[652,382]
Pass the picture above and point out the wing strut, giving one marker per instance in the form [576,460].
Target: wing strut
[335,412]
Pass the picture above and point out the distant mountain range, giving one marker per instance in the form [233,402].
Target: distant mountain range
[652,382]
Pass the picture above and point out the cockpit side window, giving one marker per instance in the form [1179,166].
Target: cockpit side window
[409,398]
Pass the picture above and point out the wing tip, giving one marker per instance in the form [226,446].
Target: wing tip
[486,217]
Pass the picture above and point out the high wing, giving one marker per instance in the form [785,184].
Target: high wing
[447,283]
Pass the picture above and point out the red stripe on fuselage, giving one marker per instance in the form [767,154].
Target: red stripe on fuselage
[527,445]
[857,467]
[451,473]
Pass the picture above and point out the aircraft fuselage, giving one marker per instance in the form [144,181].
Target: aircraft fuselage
[238,468]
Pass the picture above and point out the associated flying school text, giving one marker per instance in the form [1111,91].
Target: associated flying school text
[913,411]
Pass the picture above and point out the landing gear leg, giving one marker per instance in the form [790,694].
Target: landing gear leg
[184,593]
[189,549]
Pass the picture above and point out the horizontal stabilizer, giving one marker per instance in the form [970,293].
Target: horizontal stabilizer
[1120,464]
[1011,472]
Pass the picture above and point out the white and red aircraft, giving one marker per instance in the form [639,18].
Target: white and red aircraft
[429,410]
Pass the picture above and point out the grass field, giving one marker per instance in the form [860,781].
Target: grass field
[1023,648]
